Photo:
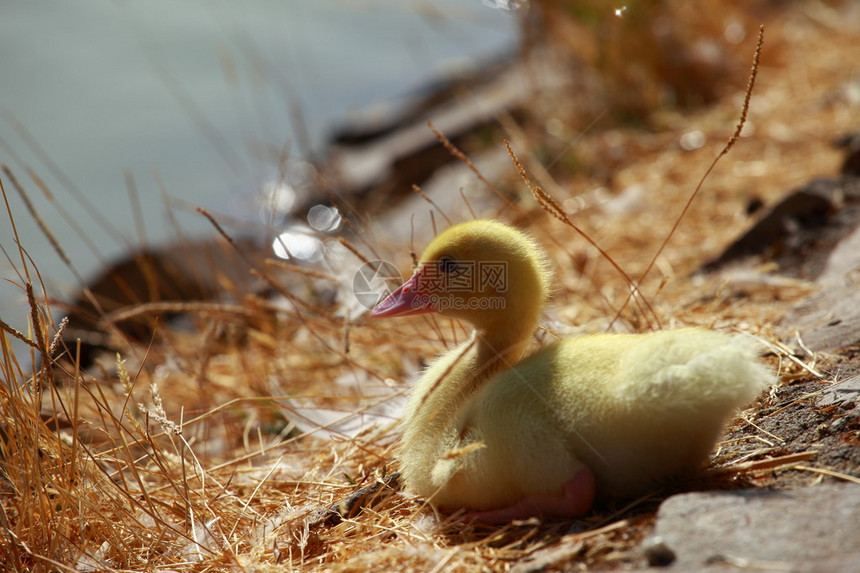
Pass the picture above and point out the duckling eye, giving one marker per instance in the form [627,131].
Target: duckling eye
[447,264]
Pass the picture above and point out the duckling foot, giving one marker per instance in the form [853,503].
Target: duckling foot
[576,499]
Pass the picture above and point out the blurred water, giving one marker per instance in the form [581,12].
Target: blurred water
[99,96]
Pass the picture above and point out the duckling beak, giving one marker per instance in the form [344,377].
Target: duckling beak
[407,300]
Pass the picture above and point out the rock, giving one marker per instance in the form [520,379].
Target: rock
[403,150]
[805,208]
[845,393]
[150,280]
[829,320]
[807,529]
[813,234]
[800,230]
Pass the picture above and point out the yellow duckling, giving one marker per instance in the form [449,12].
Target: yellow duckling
[608,414]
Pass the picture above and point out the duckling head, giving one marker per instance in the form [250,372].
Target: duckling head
[484,272]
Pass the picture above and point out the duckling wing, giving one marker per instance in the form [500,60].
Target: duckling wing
[639,408]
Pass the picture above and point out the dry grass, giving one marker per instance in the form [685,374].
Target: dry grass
[190,453]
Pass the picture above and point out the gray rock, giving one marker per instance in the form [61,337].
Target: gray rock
[808,529]
[830,319]
[845,393]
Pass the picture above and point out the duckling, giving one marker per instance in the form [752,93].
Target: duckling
[509,437]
